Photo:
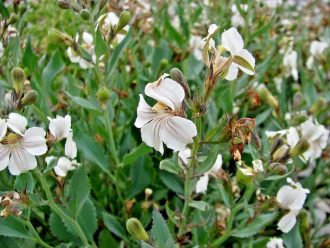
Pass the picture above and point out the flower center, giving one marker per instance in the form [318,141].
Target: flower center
[159,107]
[11,138]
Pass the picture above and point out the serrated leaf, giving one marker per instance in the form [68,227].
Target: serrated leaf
[56,227]
[114,226]
[87,219]
[258,224]
[160,233]
[136,153]
[169,166]
[25,182]
[201,205]
[10,227]
[78,190]
[82,102]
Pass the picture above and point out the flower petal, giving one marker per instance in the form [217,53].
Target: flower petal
[232,72]
[178,132]
[73,56]
[201,185]
[3,128]
[17,123]
[144,113]
[63,166]
[287,222]
[291,198]
[70,147]
[292,137]
[21,161]
[217,164]
[166,91]
[150,134]
[248,57]
[34,141]
[60,127]
[88,38]
[4,156]
[232,41]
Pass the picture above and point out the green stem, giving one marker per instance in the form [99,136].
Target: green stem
[36,237]
[59,211]
[113,149]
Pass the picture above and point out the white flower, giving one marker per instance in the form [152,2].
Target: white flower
[88,46]
[108,21]
[292,198]
[63,165]
[70,147]
[316,50]
[1,49]
[232,41]
[19,148]
[163,123]
[257,165]
[236,19]
[185,155]
[203,181]
[290,63]
[275,243]
[272,4]
[317,136]
[60,127]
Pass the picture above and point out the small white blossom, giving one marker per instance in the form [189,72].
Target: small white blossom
[20,146]
[290,63]
[316,50]
[163,123]
[185,155]
[317,136]
[232,41]
[275,243]
[196,44]
[70,147]
[63,165]
[257,165]
[203,181]
[236,19]
[60,127]
[291,197]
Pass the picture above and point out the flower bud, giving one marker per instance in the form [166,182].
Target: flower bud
[103,95]
[18,77]
[299,149]
[64,4]
[282,154]
[56,36]
[267,96]
[278,142]
[29,98]
[135,228]
[124,19]
[245,175]
[12,19]
[148,192]
[318,106]
[178,76]
[278,168]
[85,14]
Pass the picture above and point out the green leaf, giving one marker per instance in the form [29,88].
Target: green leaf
[92,151]
[145,245]
[112,63]
[136,153]
[173,182]
[208,163]
[173,33]
[169,166]
[30,59]
[78,190]
[82,102]
[106,240]
[114,226]
[258,224]
[160,234]
[100,45]
[7,242]
[87,219]
[10,227]
[293,238]
[201,205]
[56,227]
[25,182]
[4,11]
[53,68]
